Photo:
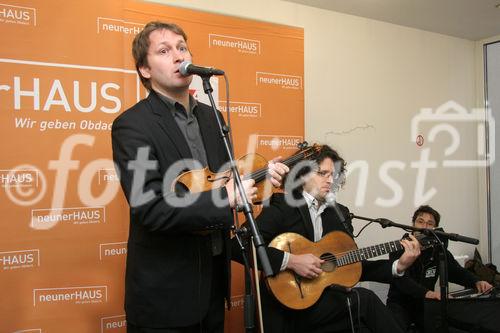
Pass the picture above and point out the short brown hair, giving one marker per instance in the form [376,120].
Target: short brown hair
[427,209]
[140,45]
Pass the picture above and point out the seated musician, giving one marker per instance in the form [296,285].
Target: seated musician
[306,211]
[406,296]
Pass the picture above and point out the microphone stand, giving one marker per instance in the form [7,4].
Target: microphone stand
[443,267]
[246,208]
[241,235]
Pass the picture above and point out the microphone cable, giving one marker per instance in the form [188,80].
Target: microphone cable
[350,313]
[351,320]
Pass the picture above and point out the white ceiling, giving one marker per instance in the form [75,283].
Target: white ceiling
[469,19]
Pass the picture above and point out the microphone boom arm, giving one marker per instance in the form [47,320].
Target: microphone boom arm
[445,235]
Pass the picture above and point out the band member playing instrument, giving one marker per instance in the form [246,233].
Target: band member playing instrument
[406,296]
[306,211]
[176,277]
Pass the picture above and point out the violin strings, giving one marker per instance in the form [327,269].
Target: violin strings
[262,172]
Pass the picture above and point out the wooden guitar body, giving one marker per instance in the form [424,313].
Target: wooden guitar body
[342,265]
[299,293]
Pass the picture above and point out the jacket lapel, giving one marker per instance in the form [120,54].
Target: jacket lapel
[330,220]
[306,219]
[169,126]
[209,136]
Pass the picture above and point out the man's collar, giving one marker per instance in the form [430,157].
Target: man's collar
[172,103]
[312,201]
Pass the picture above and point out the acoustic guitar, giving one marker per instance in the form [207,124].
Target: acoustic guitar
[342,265]
[251,166]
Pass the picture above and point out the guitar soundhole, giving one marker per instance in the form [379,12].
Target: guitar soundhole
[329,264]
[181,189]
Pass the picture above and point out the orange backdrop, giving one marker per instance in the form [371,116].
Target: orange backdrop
[65,74]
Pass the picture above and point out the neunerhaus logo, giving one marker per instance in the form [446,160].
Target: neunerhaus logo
[75,295]
[11,260]
[17,15]
[78,215]
[277,142]
[106,24]
[242,45]
[113,324]
[242,109]
[18,178]
[281,80]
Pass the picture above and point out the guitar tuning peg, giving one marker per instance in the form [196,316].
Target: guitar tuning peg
[302,145]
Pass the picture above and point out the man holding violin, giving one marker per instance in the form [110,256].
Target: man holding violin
[177,273]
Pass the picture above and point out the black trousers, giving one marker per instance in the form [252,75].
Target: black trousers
[331,313]
[213,322]
[477,315]
[407,315]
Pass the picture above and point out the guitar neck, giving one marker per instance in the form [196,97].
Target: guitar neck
[357,255]
[260,174]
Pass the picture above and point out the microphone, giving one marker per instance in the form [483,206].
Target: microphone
[330,198]
[187,68]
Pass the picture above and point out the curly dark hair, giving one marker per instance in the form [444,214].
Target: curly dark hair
[309,166]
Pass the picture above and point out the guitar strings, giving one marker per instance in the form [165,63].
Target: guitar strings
[345,255]
[341,255]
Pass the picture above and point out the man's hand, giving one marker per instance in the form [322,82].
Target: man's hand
[433,295]
[234,197]
[412,251]
[305,265]
[277,170]
[483,286]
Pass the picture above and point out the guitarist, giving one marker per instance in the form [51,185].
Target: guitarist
[305,211]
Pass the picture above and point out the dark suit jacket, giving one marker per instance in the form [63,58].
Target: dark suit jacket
[279,217]
[169,269]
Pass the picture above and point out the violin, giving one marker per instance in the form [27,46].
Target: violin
[250,166]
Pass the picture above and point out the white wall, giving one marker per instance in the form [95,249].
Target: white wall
[364,81]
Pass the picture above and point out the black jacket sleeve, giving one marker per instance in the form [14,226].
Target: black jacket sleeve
[406,285]
[377,270]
